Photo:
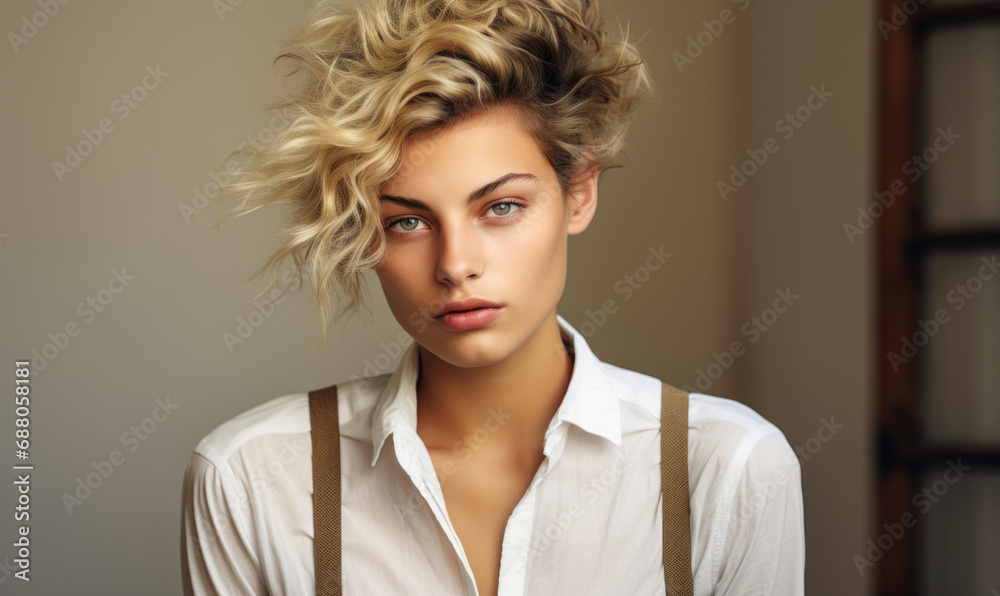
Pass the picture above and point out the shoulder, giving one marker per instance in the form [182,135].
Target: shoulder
[726,434]
[746,499]
[709,416]
[281,415]
[285,416]
[725,437]
[745,483]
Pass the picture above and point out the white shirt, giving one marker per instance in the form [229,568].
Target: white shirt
[589,523]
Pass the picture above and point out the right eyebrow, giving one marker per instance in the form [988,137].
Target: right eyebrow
[473,197]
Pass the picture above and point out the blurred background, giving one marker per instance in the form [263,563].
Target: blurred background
[824,174]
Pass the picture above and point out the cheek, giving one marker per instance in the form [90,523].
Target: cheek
[401,279]
[542,255]
[392,278]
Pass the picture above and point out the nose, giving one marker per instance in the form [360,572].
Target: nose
[459,255]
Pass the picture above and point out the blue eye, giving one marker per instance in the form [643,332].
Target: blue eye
[508,207]
[406,224]
[500,211]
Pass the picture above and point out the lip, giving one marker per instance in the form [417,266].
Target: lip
[472,319]
[467,304]
[471,313]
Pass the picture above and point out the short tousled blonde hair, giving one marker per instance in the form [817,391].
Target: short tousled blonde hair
[368,75]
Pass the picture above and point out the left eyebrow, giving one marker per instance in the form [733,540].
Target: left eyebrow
[473,197]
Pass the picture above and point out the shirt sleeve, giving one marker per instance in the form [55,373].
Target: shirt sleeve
[216,552]
[764,550]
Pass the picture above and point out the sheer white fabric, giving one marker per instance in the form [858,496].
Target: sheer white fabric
[590,523]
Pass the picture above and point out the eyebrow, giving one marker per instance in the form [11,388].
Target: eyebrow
[473,197]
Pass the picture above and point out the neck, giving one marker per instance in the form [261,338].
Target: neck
[503,408]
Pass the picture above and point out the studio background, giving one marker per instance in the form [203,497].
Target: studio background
[125,228]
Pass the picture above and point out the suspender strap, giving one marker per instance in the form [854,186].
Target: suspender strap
[324,421]
[674,488]
[325,424]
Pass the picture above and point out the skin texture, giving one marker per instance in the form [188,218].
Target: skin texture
[484,396]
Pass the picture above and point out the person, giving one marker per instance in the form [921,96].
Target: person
[451,147]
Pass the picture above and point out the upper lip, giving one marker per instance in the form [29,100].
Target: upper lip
[467,304]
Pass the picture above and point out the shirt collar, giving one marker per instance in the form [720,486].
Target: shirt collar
[590,402]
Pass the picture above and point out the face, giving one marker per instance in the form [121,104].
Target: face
[476,211]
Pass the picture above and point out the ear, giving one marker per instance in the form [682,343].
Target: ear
[582,201]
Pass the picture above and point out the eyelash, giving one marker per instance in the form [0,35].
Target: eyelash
[519,204]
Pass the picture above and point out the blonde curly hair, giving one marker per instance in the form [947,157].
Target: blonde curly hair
[368,75]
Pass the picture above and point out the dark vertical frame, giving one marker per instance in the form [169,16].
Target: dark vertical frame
[904,243]
[898,301]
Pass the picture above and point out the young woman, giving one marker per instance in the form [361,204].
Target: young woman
[451,146]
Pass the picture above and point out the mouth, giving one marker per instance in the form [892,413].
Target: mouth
[469,305]
[463,317]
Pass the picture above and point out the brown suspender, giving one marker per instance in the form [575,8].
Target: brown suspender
[674,492]
[324,421]
[673,481]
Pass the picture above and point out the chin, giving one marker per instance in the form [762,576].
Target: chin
[469,352]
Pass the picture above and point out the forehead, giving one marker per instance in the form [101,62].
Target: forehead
[497,115]
[468,152]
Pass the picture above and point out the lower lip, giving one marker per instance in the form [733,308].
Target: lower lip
[473,319]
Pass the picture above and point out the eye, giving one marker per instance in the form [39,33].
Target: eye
[406,224]
[505,209]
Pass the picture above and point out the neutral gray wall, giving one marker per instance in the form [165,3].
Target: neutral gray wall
[162,336]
